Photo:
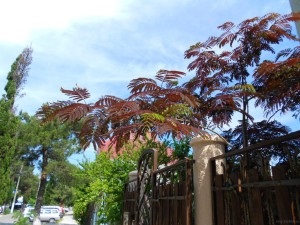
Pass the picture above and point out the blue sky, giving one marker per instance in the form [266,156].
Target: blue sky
[102,45]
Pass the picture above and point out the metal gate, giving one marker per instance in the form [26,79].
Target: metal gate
[159,197]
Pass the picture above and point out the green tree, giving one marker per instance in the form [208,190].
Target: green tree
[101,183]
[8,128]
[29,183]
[17,76]
[101,187]
[46,146]
[61,183]
[9,122]
[181,148]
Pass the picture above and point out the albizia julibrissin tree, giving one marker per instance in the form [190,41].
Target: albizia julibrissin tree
[223,84]
[229,73]
[156,106]
[279,83]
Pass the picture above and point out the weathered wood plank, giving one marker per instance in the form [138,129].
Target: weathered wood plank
[255,203]
[283,198]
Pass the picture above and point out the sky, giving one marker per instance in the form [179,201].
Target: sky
[102,45]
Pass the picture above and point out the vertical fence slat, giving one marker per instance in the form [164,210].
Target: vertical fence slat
[213,175]
[235,201]
[188,192]
[175,203]
[283,198]
[167,209]
[220,219]
[161,206]
[255,203]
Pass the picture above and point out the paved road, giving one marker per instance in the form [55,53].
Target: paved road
[6,219]
[66,220]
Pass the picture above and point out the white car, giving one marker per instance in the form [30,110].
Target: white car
[49,215]
[59,208]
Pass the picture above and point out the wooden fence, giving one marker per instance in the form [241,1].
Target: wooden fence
[129,204]
[172,194]
[169,197]
[260,184]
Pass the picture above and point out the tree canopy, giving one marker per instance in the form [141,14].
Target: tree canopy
[229,73]
[9,122]
[101,186]
[47,147]
[154,107]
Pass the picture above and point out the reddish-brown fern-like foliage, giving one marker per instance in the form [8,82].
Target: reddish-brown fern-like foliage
[279,83]
[221,77]
[77,94]
[148,102]
[92,117]
[150,109]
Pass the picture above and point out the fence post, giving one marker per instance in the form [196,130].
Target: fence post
[133,175]
[128,207]
[203,150]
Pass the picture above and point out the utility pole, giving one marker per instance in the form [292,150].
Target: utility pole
[16,191]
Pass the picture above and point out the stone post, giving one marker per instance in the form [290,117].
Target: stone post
[203,150]
[133,175]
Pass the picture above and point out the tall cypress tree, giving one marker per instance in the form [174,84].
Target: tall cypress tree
[9,122]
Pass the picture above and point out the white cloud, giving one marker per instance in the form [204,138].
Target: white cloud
[18,19]
[102,45]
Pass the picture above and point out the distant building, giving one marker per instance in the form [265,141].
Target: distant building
[295,6]
[133,144]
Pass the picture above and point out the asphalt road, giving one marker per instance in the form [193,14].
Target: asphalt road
[6,219]
[66,220]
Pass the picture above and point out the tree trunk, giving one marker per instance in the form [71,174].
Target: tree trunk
[88,219]
[43,182]
[244,117]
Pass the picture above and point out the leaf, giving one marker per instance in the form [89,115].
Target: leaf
[93,132]
[169,75]
[73,112]
[245,88]
[177,110]
[77,94]
[226,26]
[107,101]
[142,85]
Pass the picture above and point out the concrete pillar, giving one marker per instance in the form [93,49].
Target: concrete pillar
[133,175]
[203,150]
[133,180]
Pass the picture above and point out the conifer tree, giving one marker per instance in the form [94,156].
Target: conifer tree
[9,122]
